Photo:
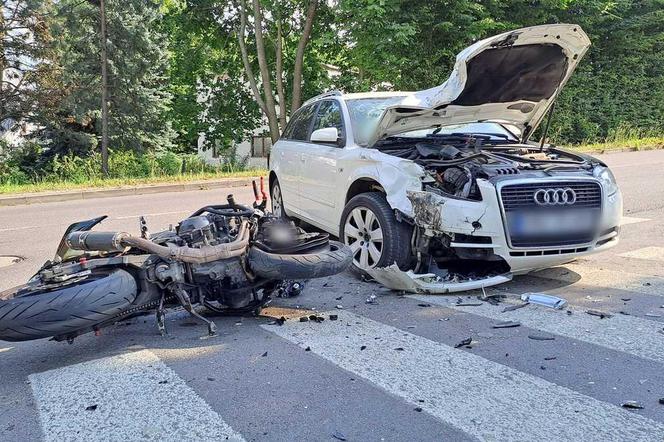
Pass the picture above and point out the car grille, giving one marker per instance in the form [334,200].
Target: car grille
[519,198]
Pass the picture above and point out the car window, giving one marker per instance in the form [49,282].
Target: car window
[298,127]
[329,115]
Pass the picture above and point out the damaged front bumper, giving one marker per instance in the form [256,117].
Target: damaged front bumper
[396,279]
[476,227]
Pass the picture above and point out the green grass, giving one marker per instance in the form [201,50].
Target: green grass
[47,186]
[646,143]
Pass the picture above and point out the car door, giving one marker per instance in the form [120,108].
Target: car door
[291,145]
[319,175]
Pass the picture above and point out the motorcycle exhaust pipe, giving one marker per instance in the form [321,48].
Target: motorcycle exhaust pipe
[97,241]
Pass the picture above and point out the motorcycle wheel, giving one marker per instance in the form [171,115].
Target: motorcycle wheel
[331,261]
[35,312]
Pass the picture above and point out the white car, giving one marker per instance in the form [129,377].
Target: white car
[440,190]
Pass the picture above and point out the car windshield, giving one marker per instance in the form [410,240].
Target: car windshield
[366,112]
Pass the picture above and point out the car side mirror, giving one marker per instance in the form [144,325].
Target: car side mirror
[326,135]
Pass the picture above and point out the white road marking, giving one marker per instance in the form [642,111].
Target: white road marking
[11,229]
[487,400]
[632,220]
[628,334]
[136,396]
[152,214]
[651,253]
[584,275]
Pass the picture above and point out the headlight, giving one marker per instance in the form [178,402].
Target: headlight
[605,175]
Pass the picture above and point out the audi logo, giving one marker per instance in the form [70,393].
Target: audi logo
[555,197]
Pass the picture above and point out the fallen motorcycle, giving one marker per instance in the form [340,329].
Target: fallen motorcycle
[228,258]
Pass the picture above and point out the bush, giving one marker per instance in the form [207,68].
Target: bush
[27,164]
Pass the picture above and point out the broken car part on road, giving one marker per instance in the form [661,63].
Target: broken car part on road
[228,258]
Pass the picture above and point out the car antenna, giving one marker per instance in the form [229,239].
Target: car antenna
[546,128]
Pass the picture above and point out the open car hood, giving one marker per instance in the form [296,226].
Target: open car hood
[512,78]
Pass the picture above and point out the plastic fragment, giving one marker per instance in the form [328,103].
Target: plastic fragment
[91,407]
[661,401]
[424,305]
[463,343]
[544,300]
[511,308]
[541,338]
[264,354]
[632,405]
[304,319]
[280,321]
[339,436]
[363,347]
[418,409]
[601,315]
[469,304]
[506,324]
[307,349]
[334,317]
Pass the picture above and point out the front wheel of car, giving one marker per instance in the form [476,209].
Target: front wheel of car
[277,201]
[376,239]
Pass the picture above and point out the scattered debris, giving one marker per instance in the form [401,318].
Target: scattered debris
[541,338]
[334,317]
[544,300]
[511,308]
[469,304]
[339,436]
[601,315]
[653,315]
[506,324]
[91,407]
[542,367]
[211,379]
[363,347]
[399,349]
[280,321]
[163,382]
[307,349]
[418,409]
[339,306]
[316,318]
[622,312]
[632,405]
[339,298]
[550,358]
[371,300]
[569,312]
[463,343]
[424,305]
[264,354]
[304,319]
[626,299]
[661,400]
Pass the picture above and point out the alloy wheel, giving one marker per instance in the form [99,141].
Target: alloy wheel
[277,203]
[364,235]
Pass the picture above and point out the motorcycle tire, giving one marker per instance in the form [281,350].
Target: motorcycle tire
[28,313]
[335,259]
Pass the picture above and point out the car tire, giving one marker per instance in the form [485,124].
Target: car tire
[277,201]
[381,243]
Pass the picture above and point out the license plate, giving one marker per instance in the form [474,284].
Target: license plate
[551,223]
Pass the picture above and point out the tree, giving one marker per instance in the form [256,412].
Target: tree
[138,99]
[25,50]
[274,30]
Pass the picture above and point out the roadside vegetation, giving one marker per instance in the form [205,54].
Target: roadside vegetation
[178,72]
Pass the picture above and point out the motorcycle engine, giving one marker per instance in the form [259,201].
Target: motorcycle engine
[224,281]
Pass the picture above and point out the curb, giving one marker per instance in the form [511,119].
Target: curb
[86,194]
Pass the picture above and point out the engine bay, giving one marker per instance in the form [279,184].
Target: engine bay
[455,161]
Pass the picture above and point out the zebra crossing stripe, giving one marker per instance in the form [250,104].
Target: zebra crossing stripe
[632,220]
[628,334]
[486,400]
[127,397]
[651,253]
[604,278]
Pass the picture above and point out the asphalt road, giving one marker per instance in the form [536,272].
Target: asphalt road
[383,371]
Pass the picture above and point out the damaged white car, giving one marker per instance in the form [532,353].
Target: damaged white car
[440,190]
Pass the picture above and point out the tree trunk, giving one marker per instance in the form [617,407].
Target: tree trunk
[265,73]
[280,76]
[104,90]
[249,72]
[296,99]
